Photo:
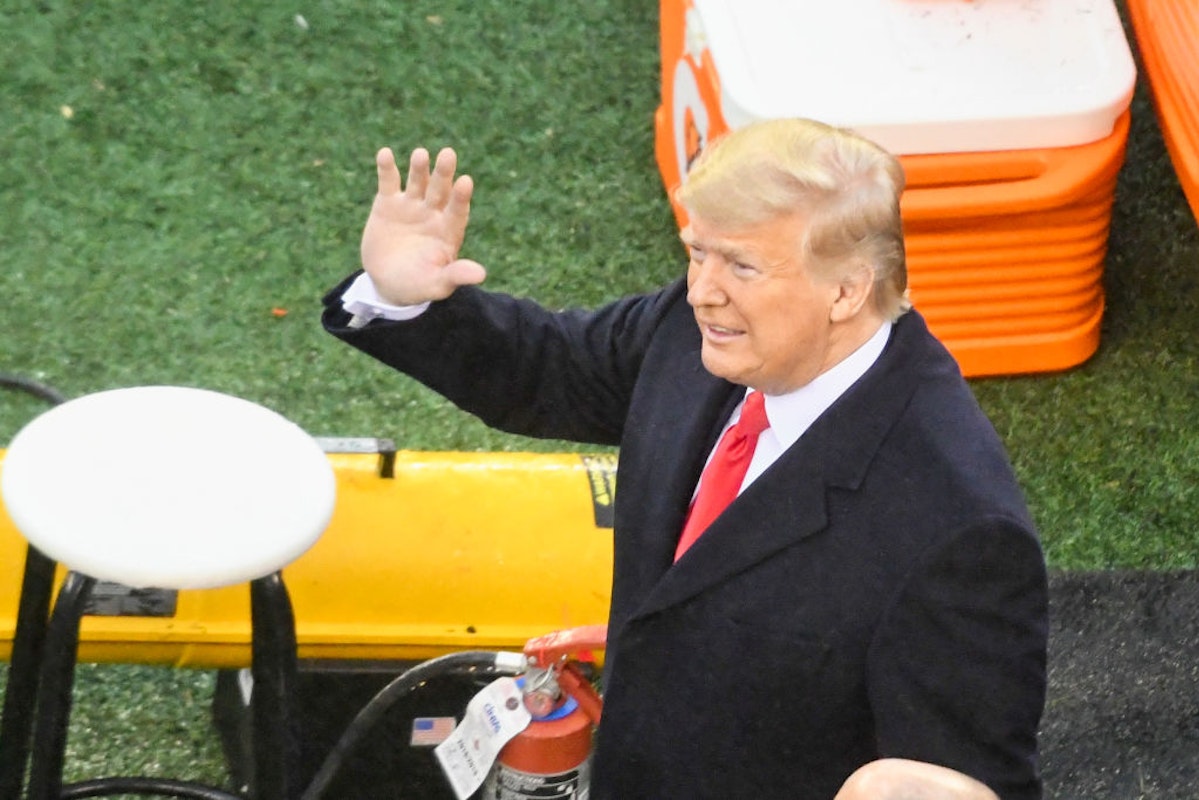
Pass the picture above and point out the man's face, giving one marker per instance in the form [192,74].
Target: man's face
[764,319]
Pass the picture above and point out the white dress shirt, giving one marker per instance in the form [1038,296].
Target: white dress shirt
[362,302]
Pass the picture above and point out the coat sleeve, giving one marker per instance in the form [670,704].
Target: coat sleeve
[517,366]
[957,669]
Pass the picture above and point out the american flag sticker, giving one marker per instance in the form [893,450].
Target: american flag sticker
[431,731]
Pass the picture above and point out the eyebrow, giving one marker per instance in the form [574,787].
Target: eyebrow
[729,252]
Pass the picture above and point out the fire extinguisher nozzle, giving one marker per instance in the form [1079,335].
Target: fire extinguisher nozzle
[514,663]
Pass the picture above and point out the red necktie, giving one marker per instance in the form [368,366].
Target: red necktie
[722,478]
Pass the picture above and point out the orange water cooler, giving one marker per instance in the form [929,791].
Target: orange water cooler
[1010,119]
[1167,33]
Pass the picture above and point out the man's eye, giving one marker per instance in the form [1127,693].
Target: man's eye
[744,269]
[697,253]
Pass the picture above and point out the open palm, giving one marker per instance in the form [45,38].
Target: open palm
[411,241]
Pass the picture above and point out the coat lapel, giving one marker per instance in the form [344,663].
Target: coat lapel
[784,505]
[673,446]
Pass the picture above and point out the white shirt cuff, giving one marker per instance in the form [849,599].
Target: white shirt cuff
[362,302]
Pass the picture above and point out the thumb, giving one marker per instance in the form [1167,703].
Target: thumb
[465,272]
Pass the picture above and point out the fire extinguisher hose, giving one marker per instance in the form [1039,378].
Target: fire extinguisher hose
[483,662]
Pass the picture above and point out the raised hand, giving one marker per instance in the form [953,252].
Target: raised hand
[412,237]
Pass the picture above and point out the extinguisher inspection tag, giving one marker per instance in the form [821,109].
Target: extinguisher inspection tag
[492,718]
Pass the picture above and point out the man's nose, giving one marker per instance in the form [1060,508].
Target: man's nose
[703,283]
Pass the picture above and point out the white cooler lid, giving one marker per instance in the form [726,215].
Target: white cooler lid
[924,76]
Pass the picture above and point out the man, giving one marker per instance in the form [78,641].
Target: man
[876,590]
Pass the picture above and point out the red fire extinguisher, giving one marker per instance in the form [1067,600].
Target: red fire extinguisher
[551,758]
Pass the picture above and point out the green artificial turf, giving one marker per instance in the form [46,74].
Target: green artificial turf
[1108,453]
[217,164]
[139,720]
[182,181]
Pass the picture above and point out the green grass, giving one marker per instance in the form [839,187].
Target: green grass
[137,720]
[1109,452]
[173,172]
[217,165]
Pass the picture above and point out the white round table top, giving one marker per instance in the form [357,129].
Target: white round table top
[167,487]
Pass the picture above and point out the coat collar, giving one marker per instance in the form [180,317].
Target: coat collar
[787,503]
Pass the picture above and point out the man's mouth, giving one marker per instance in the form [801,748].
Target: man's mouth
[719,333]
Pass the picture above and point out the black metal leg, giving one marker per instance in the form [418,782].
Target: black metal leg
[46,646]
[276,746]
[54,692]
[16,726]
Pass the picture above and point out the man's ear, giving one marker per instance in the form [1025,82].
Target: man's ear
[854,291]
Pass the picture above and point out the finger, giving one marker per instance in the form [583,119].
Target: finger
[458,209]
[418,173]
[464,272]
[389,174]
[443,178]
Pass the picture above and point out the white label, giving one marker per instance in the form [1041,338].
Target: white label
[492,718]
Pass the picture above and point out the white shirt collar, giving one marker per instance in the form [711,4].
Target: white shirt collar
[793,413]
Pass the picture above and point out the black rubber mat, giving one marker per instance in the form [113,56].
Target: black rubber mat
[1122,717]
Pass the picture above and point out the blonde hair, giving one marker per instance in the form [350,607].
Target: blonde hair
[845,188]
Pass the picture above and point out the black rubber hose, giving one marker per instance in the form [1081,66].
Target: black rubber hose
[473,660]
[153,787]
[35,388]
